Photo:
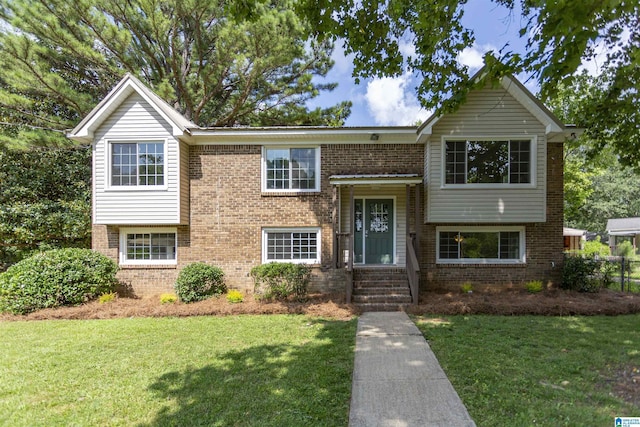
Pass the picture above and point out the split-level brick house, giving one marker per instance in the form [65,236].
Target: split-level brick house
[473,196]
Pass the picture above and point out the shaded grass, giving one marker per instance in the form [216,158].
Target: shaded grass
[548,371]
[227,371]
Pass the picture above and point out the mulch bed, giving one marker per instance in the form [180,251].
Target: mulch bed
[553,302]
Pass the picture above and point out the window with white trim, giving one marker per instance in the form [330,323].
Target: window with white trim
[488,161]
[137,163]
[148,246]
[291,169]
[480,245]
[291,245]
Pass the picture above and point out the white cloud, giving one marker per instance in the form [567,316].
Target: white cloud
[472,56]
[392,102]
[407,49]
[343,63]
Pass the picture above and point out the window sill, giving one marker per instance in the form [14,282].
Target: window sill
[148,266]
[290,193]
[487,186]
[133,188]
[491,264]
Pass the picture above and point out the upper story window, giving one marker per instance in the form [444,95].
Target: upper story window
[488,161]
[137,163]
[291,169]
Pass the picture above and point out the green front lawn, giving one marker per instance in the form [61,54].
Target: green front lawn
[546,371]
[215,371]
[283,370]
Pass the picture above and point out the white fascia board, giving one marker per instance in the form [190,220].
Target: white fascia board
[532,104]
[283,135]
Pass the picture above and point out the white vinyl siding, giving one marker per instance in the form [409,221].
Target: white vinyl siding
[135,120]
[396,192]
[487,114]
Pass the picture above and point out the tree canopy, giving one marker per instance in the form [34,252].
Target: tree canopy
[597,186]
[560,35]
[60,58]
[45,200]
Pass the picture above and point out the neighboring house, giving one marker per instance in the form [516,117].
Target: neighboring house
[474,196]
[574,239]
[623,229]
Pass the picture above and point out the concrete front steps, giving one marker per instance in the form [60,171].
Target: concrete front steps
[381,289]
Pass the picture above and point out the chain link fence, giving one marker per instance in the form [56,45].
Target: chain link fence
[627,273]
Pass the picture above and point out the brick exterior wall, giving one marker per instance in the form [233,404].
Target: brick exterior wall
[544,244]
[228,212]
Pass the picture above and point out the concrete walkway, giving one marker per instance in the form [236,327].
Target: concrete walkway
[397,380]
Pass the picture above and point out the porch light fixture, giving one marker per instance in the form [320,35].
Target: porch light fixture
[374,137]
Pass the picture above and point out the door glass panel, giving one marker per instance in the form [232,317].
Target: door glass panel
[379,217]
[358,230]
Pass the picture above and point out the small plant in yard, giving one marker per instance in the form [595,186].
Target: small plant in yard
[108,297]
[466,288]
[168,298]
[534,286]
[279,281]
[234,296]
[199,281]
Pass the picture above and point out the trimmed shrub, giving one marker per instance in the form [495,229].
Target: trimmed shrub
[199,281]
[280,280]
[55,278]
[235,296]
[586,274]
[534,286]
[466,288]
[168,298]
[107,298]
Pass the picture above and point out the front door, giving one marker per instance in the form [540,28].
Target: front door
[374,231]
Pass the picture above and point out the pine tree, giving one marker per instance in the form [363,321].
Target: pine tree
[60,58]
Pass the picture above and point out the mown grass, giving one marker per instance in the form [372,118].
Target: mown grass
[216,371]
[543,371]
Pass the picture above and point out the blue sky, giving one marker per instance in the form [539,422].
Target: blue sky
[392,101]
